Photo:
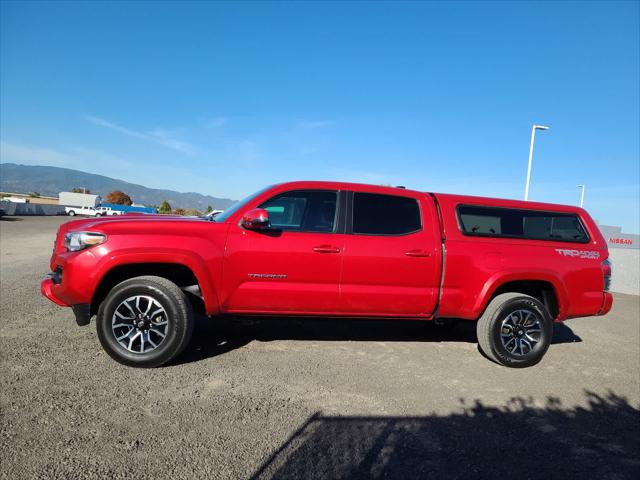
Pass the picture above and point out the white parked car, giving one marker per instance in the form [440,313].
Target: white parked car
[15,199]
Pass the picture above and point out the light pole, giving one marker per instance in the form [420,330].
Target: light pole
[533,139]
[582,188]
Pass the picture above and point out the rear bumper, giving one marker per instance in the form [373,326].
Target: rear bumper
[607,303]
[46,288]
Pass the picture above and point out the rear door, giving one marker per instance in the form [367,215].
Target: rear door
[294,268]
[391,260]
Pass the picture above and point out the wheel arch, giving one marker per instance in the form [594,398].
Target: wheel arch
[545,287]
[191,280]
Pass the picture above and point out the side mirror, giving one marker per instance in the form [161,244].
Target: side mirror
[256,219]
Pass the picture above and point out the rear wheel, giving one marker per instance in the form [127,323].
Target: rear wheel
[72,213]
[145,322]
[515,330]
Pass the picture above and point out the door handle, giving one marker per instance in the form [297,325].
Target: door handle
[326,249]
[417,253]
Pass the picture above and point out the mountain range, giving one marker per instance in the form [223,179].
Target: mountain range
[53,180]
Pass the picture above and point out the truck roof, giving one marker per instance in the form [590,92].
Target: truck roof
[442,197]
[506,203]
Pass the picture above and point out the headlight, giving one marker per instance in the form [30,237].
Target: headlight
[74,241]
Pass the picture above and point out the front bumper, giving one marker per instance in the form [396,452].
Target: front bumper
[46,288]
[82,311]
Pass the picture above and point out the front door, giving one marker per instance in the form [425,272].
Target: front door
[293,267]
[391,261]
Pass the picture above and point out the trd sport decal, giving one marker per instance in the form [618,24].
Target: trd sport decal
[267,275]
[590,254]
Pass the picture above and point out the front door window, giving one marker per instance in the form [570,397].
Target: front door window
[303,211]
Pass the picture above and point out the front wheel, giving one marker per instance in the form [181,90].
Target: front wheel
[515,330]
[145,322]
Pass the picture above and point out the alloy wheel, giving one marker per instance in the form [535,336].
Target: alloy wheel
[140,324]
[520,332]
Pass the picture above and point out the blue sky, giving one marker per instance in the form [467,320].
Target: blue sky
[223,98]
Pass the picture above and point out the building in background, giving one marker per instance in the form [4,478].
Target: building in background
[27,198]
[624,252]
[616,239]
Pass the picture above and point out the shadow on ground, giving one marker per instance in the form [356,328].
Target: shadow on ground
[220,335]
[518,440]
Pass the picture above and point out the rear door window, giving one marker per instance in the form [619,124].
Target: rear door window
[520,223]
[375,214]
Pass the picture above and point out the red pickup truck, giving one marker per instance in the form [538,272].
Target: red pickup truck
[335,249]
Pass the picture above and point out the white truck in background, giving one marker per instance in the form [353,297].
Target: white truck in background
[91,212]
[108,211]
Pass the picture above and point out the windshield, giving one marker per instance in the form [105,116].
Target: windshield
[222,217]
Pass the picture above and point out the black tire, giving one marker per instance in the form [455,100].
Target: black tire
[491,330]
[72,213]
[177,310]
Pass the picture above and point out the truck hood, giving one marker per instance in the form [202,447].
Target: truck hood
[135,224]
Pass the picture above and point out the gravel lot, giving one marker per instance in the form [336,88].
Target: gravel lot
[294,398]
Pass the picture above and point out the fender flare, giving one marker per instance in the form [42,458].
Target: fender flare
[185,258]
[501,278]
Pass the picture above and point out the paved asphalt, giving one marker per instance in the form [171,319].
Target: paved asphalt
[295,398]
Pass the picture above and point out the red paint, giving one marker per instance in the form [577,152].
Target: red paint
[339,274]
[393,275]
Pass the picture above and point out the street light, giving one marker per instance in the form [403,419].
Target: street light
[582,188]
[533,139]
